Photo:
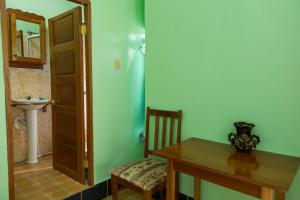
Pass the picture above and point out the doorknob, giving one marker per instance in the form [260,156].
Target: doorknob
[53,102]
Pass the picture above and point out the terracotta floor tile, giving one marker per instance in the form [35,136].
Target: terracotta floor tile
[20,178]
[42,197]
[20,196]
[24,183]
[42,182]
[59,178]
[29,188]
[34,194]
[74,188]
[65,182]
[51,189]
[60,194]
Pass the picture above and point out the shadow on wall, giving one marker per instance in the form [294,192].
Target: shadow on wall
[136,67]
[140,12]
[294,190]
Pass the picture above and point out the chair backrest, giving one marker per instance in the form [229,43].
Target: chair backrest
[166,116]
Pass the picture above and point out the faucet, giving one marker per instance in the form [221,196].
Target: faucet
[28,97]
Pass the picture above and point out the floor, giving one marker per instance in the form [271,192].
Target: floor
[41,182]
[127,194]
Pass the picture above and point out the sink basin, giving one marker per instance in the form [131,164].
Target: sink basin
[32,104]
[31,107]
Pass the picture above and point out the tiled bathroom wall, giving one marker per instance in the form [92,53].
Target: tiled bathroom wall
[37,83]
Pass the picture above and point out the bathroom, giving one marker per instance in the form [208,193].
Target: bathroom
[38,156]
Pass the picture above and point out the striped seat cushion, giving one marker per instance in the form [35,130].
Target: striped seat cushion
[144,173]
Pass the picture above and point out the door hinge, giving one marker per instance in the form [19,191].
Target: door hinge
[83,29]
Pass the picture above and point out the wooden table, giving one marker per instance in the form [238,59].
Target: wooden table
[259,174]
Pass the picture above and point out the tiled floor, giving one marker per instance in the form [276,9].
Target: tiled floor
[127,194]
[41,182]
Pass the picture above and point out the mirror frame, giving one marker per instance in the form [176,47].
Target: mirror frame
[25,62]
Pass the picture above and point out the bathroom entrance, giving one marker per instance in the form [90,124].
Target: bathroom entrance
[49,97]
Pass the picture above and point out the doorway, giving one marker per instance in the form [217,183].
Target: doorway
[70,159]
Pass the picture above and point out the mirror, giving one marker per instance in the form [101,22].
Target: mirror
[27,39]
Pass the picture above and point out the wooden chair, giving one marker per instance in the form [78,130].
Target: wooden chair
[148,175]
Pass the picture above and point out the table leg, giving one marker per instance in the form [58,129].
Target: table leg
[279,195]
[267,193]
[197,189]
[171,181]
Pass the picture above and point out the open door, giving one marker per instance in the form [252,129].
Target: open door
[66,53]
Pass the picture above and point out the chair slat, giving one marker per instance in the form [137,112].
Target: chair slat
[161,131]
[156,132]
[179,127]
[171,131]
[147,133]
[164,132]
[163,113]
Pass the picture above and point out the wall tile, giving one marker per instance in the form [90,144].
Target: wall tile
[19,83]
[19,135]
[45,131]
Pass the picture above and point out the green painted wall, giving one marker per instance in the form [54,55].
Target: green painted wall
[224,61]
[3,143]
[118,94]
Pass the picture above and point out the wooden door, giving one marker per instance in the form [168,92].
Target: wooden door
[66,51]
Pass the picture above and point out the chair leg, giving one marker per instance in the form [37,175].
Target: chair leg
[147,195]
[177,186]
[197,189]
[114,188]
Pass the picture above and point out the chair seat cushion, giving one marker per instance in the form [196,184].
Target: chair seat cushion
[144,173]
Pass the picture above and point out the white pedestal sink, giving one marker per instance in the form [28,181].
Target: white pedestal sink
[31,107]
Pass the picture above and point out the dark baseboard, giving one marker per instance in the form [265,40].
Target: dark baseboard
[102,190]
[185,197]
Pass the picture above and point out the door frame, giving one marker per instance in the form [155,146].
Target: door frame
[89,92]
